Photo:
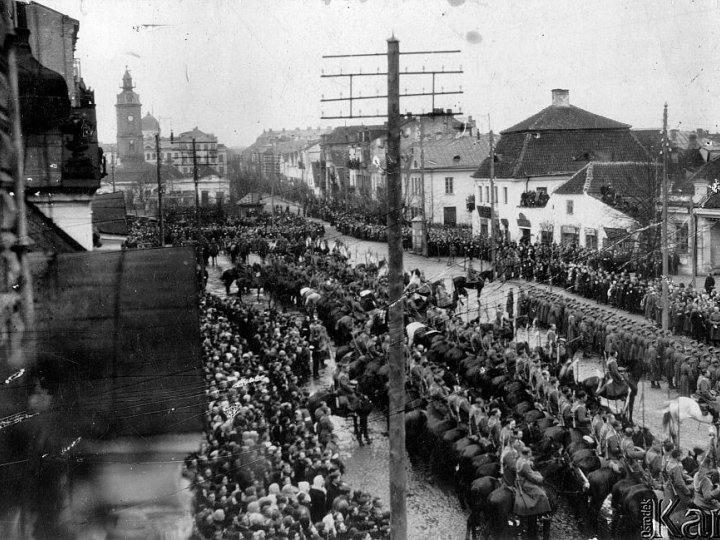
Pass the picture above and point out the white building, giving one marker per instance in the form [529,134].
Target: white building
[446,165]
[534,158]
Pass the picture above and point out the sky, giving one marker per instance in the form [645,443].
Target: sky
[237,67]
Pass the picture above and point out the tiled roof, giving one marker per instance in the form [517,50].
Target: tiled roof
[520,155]
[462,152]
[628,179]
[554,118]
[710,172]
[351,134]
[251,198]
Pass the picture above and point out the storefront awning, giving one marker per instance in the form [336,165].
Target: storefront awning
[483,211]
[612,232]
[505,223]
[524,223]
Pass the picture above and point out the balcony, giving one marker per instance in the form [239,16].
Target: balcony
[534,199]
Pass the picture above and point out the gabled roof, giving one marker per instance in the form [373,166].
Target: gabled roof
[455,153]
[206,170]
[195,133]
[252,198]
[350,134]
[628,179]
[564,118]
[709,173]
[554,153]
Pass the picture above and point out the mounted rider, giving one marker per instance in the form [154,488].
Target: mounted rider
[612,376]
[531,499]
[675,478]
[581,421]
[705,396]
[707,493]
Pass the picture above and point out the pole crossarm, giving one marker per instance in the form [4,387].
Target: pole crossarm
[401,95]
[451,113]
[385,54]
[379,74]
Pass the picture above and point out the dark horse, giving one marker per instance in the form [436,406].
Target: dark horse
[613,392]
[501,502]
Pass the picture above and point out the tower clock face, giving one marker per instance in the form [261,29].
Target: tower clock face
[131,118]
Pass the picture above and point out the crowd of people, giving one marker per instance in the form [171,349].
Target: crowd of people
[269,468]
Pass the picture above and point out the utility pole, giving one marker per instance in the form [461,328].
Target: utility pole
[398,474]
[272,185]
[397,465]
[693,233]
[424,245]
[160,191]
[112,169]
[665,291]
[197,189]
[196,178]
[493,253]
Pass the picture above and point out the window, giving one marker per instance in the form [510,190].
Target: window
[414,211]
[450,216]
[487,194]
[505,198]
[221,170]
[569,207]
[591,241]
[449,186]
[484,228]
[495,194]
[131,146]
[175,155]
[480,199]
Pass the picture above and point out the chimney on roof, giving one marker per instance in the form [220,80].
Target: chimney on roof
[448,111]
[560,98]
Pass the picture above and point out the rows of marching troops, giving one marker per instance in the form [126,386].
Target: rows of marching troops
[641,347]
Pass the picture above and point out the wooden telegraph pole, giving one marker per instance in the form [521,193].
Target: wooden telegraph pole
[493,250]
[665,268]
[397,460]
[398,475]
[160,191]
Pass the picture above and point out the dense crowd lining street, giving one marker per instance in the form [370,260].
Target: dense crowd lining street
[584,324]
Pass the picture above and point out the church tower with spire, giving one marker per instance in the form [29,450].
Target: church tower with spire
[129,126]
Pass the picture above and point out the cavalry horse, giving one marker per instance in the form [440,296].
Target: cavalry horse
[613,392]
[681,409]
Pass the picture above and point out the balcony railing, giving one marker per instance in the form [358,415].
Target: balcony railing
[534,199]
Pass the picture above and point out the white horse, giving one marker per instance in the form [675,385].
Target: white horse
[680,409]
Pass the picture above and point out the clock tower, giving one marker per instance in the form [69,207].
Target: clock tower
[129,128]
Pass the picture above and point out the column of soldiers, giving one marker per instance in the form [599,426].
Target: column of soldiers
[641,347]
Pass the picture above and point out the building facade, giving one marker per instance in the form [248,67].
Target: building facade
[534,158]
